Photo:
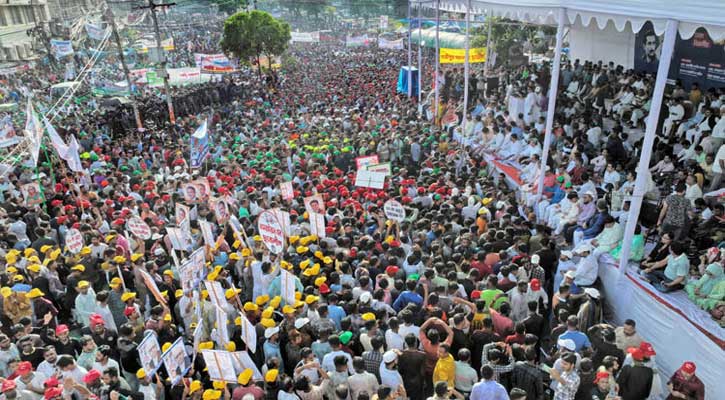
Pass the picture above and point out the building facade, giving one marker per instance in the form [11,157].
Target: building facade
[17,19]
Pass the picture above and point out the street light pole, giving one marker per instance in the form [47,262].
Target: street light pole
[117,39]
[153,6]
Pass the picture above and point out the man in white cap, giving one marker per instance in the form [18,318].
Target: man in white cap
[389,375]
[587,267]
[590,312]
[566,264]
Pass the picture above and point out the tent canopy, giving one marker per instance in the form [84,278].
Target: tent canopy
[692,14]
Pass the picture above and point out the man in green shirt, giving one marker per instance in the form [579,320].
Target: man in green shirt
[676,267]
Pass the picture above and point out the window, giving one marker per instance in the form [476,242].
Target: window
[17,16]
[3,20]
[28,11]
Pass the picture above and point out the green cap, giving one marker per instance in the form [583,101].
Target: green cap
[345,337]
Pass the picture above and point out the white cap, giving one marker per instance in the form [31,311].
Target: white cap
[365,297]
[299,323]
[269,332]
[567,254]
[389,356]
[570,274]
[582,248]
[589,193]
[592,292]
[566,344]
[535,259]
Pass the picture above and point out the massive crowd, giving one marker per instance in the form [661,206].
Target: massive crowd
[481,291]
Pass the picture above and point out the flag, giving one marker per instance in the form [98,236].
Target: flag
[95,31]
[33,132]
[199,145]
[72,156]
[55,139]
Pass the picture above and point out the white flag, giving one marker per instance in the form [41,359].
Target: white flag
[72,156]
[55,139]
[33,132]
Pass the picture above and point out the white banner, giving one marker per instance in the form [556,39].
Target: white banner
[61,48]
[220,365]
[249,333]
[222,327]
[287,287]
[242,361]
[391,44]
[375,180]
[305,37]
[95,31]
[317,225]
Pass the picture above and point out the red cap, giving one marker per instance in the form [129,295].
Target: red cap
[51,382]
[52,393]
[119,221]
[24,367]
[128,311]
[535,284]
[647,349]
[61,329]
[636,353]
[8,385]
[391,270]
[91,376]
[688,367]
[324,289]
[96,319]
[475,295]
[601,375]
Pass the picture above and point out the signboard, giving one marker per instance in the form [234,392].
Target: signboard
[242,361]
[176,361]
[394,210]
[191,193]
[199,145]
[248,334]
[222,327]
[206,232]
[391,44]
[287,191]
[213,63]
[315,204]
[181,213]
[305,37]
[384,168]
[284,219]
[317,225]
[271,231]
[61,48]
[364,161]
[149,352]
[191,272]
[220,365]
[139,228]
[375,180]
[8,136]
[458,56]
[221,210]
[287,287]
[216,293]
[179,240]
[203,189]
[32,195]
[74,240]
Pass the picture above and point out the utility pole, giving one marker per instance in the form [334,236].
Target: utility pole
[117,39]
[153,6]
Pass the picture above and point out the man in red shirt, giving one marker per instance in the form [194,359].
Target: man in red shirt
[685,385]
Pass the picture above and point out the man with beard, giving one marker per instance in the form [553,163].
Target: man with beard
[112,383]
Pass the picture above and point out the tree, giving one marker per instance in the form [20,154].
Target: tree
[508,37]
[252,34]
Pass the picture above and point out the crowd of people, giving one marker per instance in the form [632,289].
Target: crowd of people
[482,290]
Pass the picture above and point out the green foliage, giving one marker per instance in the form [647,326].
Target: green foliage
[507,35]
[252,34]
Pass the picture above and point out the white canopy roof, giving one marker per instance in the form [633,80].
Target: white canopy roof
[692,14]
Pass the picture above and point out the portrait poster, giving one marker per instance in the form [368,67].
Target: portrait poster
[315,204]
[176,361]
[149,352]
[32,194]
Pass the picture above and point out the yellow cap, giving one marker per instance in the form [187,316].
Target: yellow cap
[34,292]
[6,291]
[204,294]
[167,317]
[276,300]
[285,265]
[319,254]
[299,304]
[268,312]
[10,259]
[206,345]
[119,259]
[83,284]
[246,252]
[305,215]
[29,252]
[262,300]
[288,310]
[141,373]
[54,254]
[11,270]
[219,385]
[231,346]
[319,281]
[194,386]
[44,248]
[34,268]
[178,293]
[14,252]
[86,251]
[165,293]
[211,394]
[229,293]
[293,239]
[327,260]
[18,278]
[244,377]
[115,282]
[302,249]
[305,263]
[267,322]
[128,296]
[34,259]
[368,316]
[78,267]
[271,375]
[165,347]
[257,238]
[108,238]
[236,244]
[135,256]
[311,298]
[238,321]
[235,257]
